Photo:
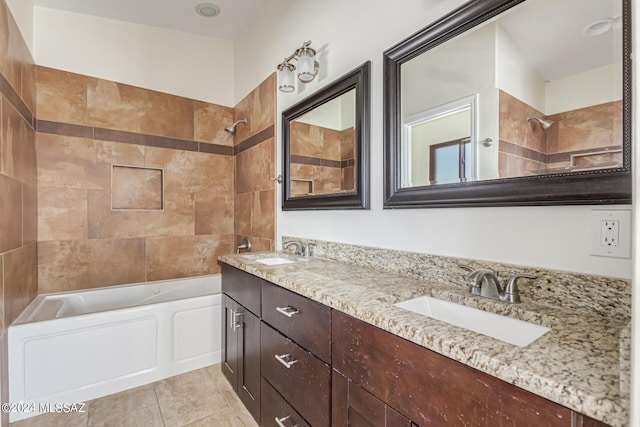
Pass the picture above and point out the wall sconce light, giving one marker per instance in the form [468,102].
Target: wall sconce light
[307,67]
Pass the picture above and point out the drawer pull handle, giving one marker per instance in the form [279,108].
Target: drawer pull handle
[234,320]
[287,311]
[284,360]
[280,421]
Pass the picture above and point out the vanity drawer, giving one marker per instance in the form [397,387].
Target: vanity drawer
[301,378]
[275,407]
[243,287]
[306,322]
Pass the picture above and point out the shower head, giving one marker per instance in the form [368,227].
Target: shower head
[232,129]
[544,124]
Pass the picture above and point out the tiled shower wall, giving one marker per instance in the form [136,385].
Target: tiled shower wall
[133,185]
[589,132]
[18,210]
[255,170]
[322,159]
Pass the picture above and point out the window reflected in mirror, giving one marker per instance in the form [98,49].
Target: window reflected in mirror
[323,148]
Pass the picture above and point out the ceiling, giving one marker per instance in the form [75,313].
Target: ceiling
[549,33]
[173,14]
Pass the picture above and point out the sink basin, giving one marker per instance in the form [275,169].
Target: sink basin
[274,261]
[513,331]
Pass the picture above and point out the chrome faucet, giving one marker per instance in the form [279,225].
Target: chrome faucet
[484,282]
[295,243]
[301,248]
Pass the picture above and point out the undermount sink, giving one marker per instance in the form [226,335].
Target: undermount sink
[274,261]
[513,331]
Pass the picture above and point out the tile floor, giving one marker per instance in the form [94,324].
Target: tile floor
[200,398]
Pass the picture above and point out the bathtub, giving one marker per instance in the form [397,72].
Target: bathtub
[73,347]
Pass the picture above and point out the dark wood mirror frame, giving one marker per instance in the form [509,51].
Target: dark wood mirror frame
[605,186]
[358,79]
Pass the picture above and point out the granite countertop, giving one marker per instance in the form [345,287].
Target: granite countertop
[576,364]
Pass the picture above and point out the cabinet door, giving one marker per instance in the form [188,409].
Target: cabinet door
[229,341]
[430,388]
[353,406]
[249,361]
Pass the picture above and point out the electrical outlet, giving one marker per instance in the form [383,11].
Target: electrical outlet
[611,233]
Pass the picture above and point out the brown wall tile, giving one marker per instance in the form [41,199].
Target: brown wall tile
[18,145]
[244,110]
[61,96]
[62,213]
[242,215]
[123,107]
[254,168]
[103,223]
[185,256]
[264,102]
[214,214]
[29,214]
[11,214]
[210,121]
[12,47]
[119,153]
[70,162]
[83,264]
[177,219]
[29,85]
[263,214]
[20,280]
[591,127]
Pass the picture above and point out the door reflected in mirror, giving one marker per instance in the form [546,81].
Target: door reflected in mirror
[437,145]
[545,78]
[323,148]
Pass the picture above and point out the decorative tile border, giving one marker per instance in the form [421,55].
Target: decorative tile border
[256,139]
[611,297]
[112,135]
[14,98]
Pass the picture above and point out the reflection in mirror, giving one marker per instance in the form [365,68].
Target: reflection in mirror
[511,102]
[323,148]
[543,61]
[437,144]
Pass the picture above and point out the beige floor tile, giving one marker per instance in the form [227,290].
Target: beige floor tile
[224,418]
[54,420]
[147,416]
[188,398]
[122,403]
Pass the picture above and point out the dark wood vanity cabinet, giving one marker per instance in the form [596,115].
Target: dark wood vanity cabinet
[353,406]
[241,336]
[296,352]
[429,388]
[294,361]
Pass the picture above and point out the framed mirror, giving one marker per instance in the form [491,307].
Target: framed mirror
[326,146]
[514,102]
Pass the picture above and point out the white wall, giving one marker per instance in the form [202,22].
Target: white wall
[515,75]
[22,11]
[347,34]
[585,89]
[168,61]
[337,114]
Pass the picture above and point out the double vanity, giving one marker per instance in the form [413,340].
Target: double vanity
[319,341]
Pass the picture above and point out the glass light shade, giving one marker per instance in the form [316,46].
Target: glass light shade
[306,64]
[285,77]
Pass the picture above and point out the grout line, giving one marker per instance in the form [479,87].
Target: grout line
[158,402]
